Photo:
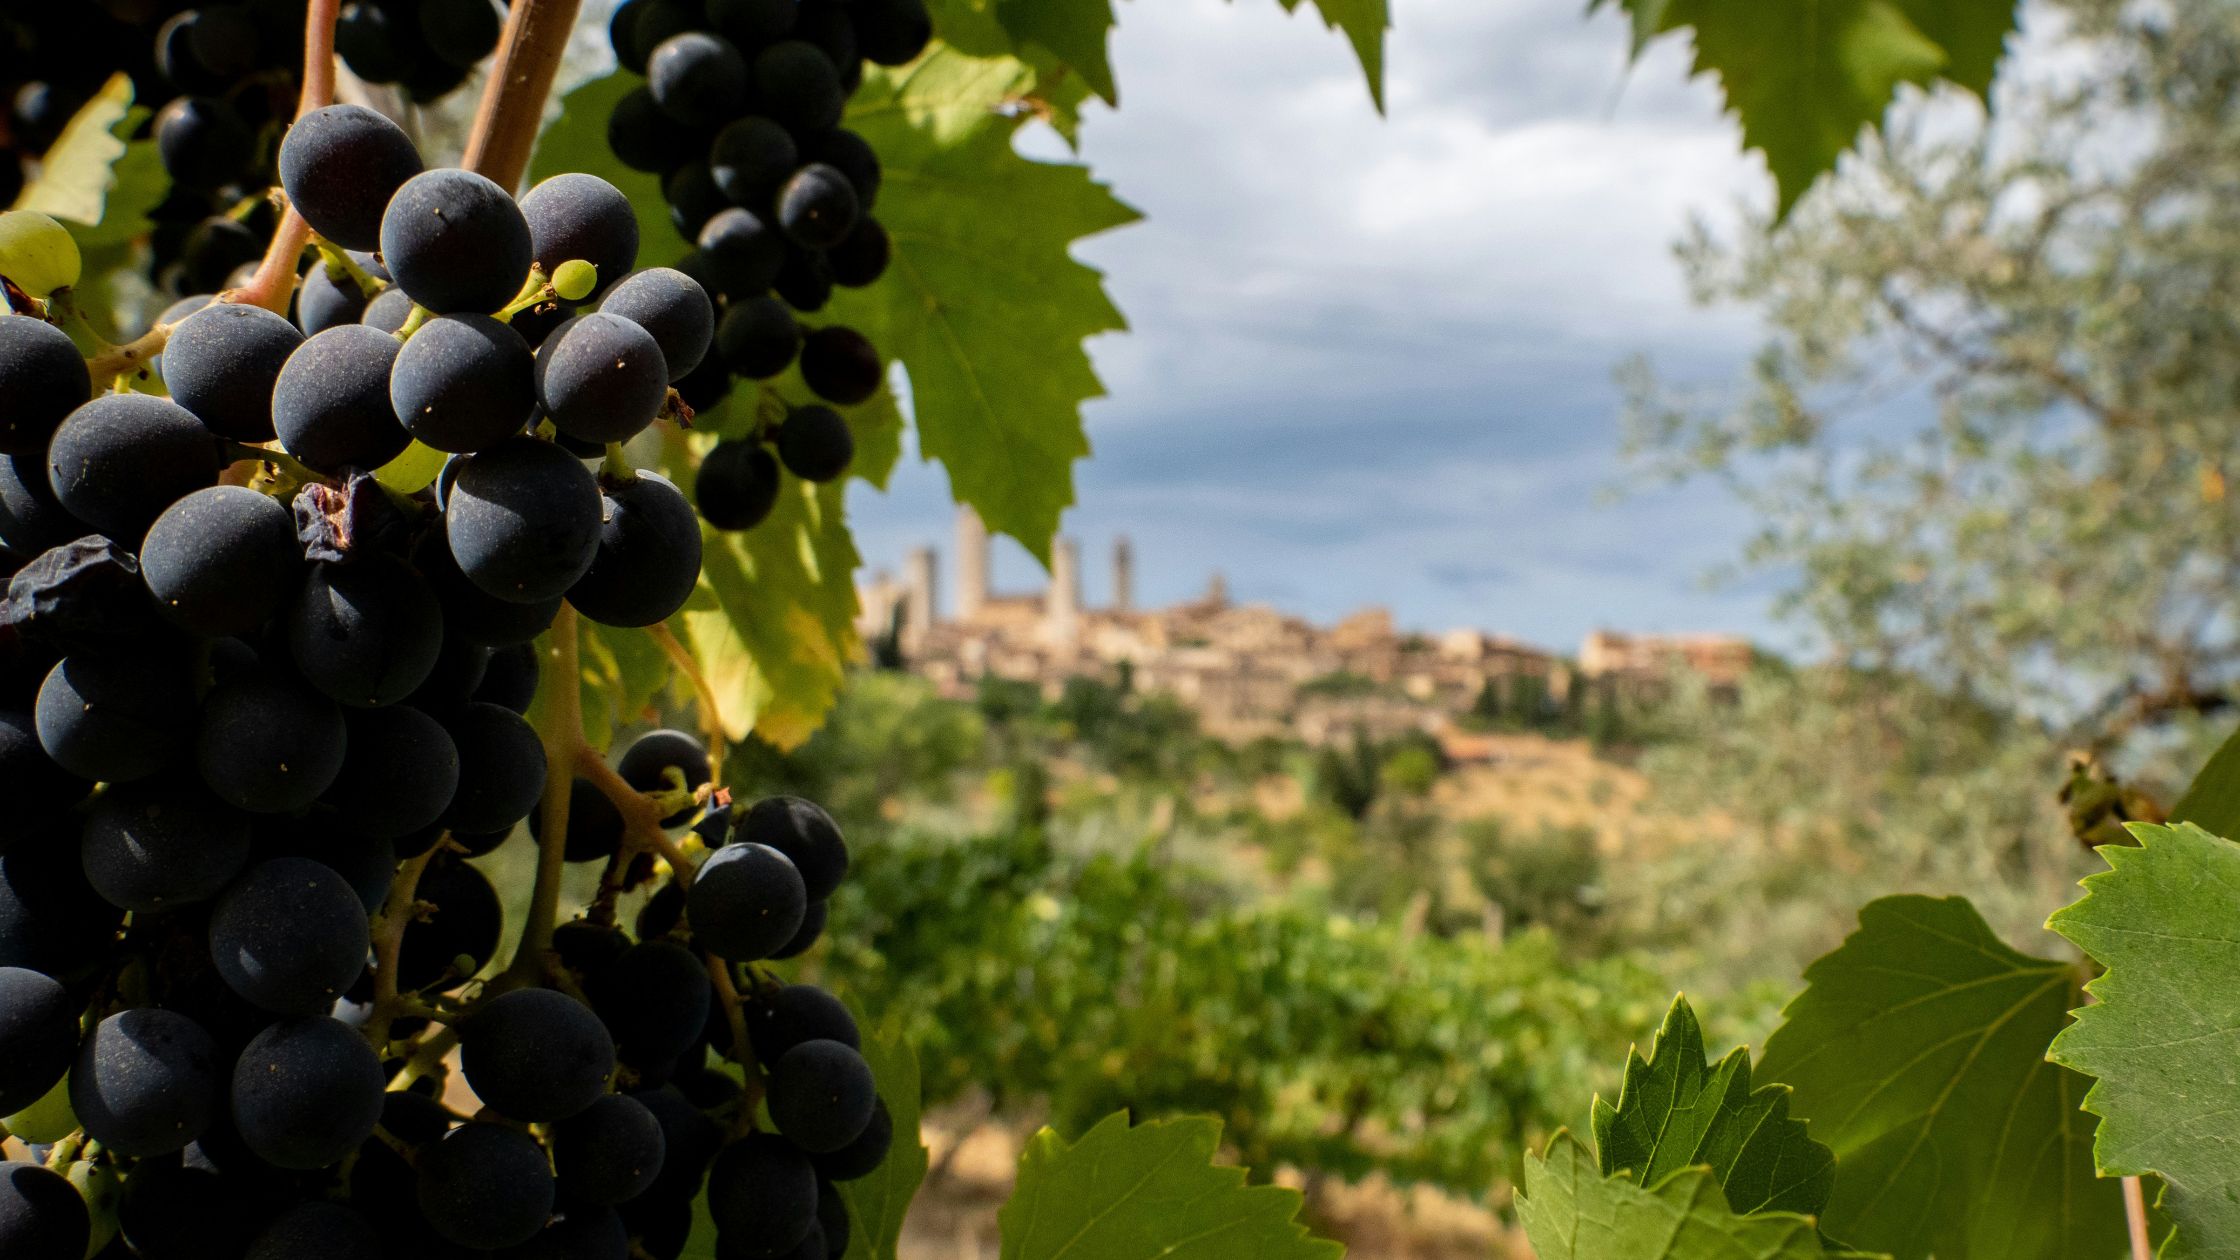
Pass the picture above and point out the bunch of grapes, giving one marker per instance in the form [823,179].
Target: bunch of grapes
[245,688]
[740,116]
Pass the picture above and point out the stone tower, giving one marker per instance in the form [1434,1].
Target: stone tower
[972,564]
[1123,575]
[918,593]
[1062,607]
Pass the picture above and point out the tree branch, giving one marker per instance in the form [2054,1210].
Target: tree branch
[275,280]
[512,110]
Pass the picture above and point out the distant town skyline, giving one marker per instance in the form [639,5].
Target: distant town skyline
[1371,359]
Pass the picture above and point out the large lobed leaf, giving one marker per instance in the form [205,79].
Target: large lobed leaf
[1804,76]
[1917,1051]
[2163,1038]
[1571,1211]
[1678,1110]
[877,1203]
[982,303]
[1148,1190]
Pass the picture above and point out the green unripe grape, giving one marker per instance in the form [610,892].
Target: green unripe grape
[574,280]
[103,1190]
[413,471]
[48,1120]
[37,253]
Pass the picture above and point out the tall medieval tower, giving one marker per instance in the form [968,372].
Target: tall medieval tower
[972,564]
[1123,575]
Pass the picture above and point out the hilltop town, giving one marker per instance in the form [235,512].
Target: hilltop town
[1249,669]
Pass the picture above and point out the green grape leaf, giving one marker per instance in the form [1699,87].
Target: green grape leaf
[1148,1190]
[623,670]
[983,303]
[1571,1211]
[1678,1110]
[1973,34]
[877,1203]
[1077,33]
[2163,1039]
[773,625]
[95,180]
[1917,1051]
[1364,23]
[2213,800]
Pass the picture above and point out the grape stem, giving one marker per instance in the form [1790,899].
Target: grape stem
[742,1046]
[2135,1215]
[512,108]
[275,280]
[711,719]
[114,361]
[341,266]
[396,915]
[560,726]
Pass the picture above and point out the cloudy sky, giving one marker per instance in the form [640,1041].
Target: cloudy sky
[1371,359]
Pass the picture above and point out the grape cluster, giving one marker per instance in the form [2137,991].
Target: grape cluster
[242,681]
[740,115]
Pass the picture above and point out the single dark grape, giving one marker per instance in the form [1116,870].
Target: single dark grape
[652,23]
[763,1194]
[325,301]
[746,902]
[608,1153]
[751,160]
[224,39]
[146,1082]
[812,927]
[289,936]
[892,32]
[466,923]
[269,745]
[648,763]
[30,781]
[655,999]
[852,156]
[805,833]
[536,1056]
[863,1156]
[798,1013]
[366,633]
[203,141]
[800,86]
[463,383]
[752,22]
[649,556]
[485,1186]
[594,824]
[758,337]
[368,863]
[737,485]
[459,32]
[116,717]
[817,208]
[815,444]
[601,378]
[388,312]
[369,41]
[221,363]
[31,518]
[693,198]
[863,257]
[307,1092]
[831,26]
[331,404]
[318,1228]
[214,250]
[42,1216]
[577,216]
[119,461]
[456,242]
[42,379]
[501,768]
[39,1037]
[832,1217]
[473,614]
[804,279]
[697,79]
[51,921]
[511,680]
[580,1232]
[220,560]
[523,520]
[644,138]
[162,843]
[398,774]
[674,308]
[340,165]
[841,365]
[742,252]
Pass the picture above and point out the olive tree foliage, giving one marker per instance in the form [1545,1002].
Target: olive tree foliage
[1989,431]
